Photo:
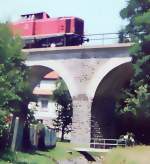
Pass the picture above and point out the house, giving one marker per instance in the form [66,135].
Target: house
[46,110]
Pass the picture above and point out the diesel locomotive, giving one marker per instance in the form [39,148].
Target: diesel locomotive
[40,30]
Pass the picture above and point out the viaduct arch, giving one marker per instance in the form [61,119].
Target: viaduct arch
[87,72]
[104,100]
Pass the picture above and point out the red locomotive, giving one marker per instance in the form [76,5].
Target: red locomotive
[39,30]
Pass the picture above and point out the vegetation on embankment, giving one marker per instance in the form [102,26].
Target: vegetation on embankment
[133,107]
[60,152]
[130,155]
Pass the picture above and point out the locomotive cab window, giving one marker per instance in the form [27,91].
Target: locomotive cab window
[39,16]
[33,16]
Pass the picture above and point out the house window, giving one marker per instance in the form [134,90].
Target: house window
[44,103]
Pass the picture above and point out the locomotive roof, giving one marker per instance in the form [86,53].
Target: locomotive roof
[33,14]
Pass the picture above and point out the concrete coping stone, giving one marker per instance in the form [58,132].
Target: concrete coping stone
[82,47]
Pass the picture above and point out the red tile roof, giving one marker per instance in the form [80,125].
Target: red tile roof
[52,75]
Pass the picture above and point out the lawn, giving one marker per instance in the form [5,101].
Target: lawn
[63,151]
[60,152]
[130,155]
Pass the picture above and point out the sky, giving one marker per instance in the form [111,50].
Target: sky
[100,16]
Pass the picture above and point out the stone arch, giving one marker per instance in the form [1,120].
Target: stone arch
[107,91]
[36,74]
[43,69]
[48,112]
[102,71]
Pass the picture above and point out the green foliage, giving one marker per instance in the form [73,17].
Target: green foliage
[123,38]
[4,128]
[15,93]
[135,100]
[13,72]
[64,108]
[138,105]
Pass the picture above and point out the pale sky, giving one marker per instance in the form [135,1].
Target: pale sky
[100,16]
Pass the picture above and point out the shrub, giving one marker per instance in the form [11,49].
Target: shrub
[4,127]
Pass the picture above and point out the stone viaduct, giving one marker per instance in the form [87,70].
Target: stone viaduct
[94,76]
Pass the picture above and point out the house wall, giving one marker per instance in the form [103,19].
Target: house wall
[46,110]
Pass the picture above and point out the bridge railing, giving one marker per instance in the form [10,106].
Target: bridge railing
[107,143]
[107,38]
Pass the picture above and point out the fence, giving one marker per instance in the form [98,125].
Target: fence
[107,38]
[107,143]
[42,136]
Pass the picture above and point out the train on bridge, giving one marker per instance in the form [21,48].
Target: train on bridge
[40,30]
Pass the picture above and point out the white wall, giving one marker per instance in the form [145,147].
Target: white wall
[48,84]
[46,111]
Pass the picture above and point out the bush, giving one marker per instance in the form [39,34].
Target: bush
[4,127]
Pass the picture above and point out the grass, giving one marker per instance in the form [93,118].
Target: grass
[60,152]
[130,155]
[64,150]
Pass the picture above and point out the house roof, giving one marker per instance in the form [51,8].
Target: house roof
[52,75]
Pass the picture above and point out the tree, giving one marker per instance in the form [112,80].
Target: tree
[135,102]
[15,93]
[63,100]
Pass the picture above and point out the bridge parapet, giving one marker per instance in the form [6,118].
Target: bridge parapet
[108,38]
